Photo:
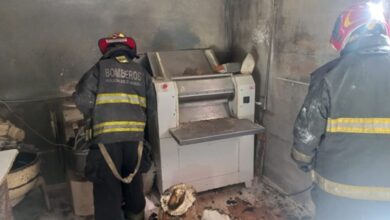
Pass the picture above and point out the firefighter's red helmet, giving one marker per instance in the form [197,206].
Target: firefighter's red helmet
[117,38]
[364,14]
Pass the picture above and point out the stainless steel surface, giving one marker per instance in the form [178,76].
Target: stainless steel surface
[209,76]
[169,64]
[205,89]
[207,110]
[231,67]
[210,130]
[206,96]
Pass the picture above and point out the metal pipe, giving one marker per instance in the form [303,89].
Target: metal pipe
[270,53]
[292,81]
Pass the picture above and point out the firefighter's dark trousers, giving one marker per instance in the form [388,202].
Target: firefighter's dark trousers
[111,196]
[330,207]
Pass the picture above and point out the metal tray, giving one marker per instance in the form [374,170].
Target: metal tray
[216,129]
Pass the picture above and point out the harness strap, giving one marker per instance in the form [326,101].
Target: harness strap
[113,168]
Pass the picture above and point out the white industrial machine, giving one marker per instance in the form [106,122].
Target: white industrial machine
[204,129]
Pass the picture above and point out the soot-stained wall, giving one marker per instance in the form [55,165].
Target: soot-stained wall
[45,44]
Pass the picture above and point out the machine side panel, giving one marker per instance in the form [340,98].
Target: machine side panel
[167,107]
[243,105]
[169,165]
[246,161]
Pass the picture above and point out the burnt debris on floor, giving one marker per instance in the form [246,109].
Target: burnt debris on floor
[260,202]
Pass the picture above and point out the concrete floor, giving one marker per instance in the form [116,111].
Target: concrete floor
[260,202]
[33,206]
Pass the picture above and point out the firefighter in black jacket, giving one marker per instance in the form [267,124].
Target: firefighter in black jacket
[342,132]
[117,97]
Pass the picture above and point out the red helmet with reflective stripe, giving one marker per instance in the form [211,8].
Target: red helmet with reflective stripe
[116,38]
[364,14]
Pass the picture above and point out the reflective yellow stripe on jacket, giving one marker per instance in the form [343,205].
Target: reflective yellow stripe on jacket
[352,191]
[359,125]
[118,126]
[112,98]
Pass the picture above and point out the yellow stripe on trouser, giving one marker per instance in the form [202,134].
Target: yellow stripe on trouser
[300,156]
[113,168]
[112,98]
[351,191]
[359,125]
[118,126]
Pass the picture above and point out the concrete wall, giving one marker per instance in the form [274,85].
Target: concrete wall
[299,45]
[44,43]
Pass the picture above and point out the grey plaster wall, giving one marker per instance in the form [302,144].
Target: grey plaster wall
[45,43]
[290,39]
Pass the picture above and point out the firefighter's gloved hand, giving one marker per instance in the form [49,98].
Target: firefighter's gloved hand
[88,128]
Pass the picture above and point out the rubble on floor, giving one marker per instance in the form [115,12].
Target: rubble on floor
[178,199]
[257,203]
[212,214]
[260,202]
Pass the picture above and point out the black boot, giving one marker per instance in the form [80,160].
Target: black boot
[138,216]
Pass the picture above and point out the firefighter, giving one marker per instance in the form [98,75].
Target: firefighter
[117,97]
[342,132]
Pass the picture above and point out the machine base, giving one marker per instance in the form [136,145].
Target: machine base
[208,165]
